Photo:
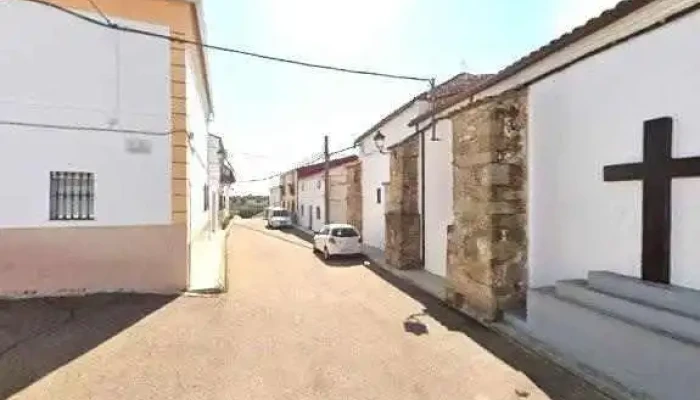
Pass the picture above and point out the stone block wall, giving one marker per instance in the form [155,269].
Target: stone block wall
[403,248]
[354,194]
[487,246]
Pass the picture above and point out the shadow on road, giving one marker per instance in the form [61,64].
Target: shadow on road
[38,336]
[342,261]
[554,380]
[558,383]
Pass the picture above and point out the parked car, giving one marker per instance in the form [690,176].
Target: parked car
[278,217]
[338,239]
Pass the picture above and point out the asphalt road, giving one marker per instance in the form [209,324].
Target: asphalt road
[291,327]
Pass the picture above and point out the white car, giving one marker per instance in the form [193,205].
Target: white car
[338,239]
[279,218]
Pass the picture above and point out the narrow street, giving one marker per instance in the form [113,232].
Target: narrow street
[291,327]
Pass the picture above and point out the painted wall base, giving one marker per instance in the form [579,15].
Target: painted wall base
[76,261]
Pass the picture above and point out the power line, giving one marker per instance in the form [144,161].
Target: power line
[86,128]
[99,11]
[300,165]
[111,25]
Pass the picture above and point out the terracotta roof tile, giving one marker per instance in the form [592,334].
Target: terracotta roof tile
[444,93]
[309,170]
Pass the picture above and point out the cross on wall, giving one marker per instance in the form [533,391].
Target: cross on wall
[656,171]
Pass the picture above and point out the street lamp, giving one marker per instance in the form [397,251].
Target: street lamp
[379,139]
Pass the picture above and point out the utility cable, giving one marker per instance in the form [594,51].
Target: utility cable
[99,11]
[308,163]
[86,128]
[112,25]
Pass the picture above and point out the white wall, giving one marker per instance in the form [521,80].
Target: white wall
[438,196]
[375,172]
[66,72]
[275,196]
[592,115]
[197,155]
[310,193]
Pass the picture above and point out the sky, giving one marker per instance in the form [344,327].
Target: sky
[274,115]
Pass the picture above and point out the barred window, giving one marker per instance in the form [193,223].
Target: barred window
[72,196]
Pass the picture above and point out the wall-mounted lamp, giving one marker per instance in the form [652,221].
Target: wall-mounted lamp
[379,141]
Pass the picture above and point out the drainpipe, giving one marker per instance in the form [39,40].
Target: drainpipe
[422,196]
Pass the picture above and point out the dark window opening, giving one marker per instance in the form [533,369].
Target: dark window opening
[206,197]
[318,212]
[72,196]
[379,196]
[280,213]
[344,232]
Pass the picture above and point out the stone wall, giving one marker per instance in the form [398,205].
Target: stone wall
[354,194]
[403,249]
[487,246]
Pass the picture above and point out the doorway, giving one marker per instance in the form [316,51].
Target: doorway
[311,217]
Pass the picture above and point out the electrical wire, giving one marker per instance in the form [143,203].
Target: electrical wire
[300,165]
[112,25]
[99,11]
[86,128]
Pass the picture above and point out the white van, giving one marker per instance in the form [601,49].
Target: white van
[278,217]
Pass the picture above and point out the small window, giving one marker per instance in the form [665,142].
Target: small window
[206,197]
[318,184]
[379,195]
[344,232]
[301,208]
[318,212]
[72,196]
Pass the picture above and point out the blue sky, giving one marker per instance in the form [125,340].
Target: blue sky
[273,115]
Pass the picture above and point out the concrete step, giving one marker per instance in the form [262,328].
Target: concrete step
[678,325]
[682,300]
[650,362]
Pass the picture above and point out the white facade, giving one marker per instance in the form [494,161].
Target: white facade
[311,199]
[438,196]
[591,115]
[438,187]
[275,196]
[311,207]
[197,125]
[375,175]
[87,77]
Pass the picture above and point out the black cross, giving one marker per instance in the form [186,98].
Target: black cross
[656,172]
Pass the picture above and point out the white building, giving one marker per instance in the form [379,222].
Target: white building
[105,132]
[276,196]
[437,212]
[613,181]
[312,189]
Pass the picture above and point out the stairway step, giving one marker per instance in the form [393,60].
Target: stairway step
[644,359]
[682,300]
[662,319]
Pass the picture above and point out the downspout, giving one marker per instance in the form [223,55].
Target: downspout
[422,196]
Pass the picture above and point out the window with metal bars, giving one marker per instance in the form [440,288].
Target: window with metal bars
[72,196]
